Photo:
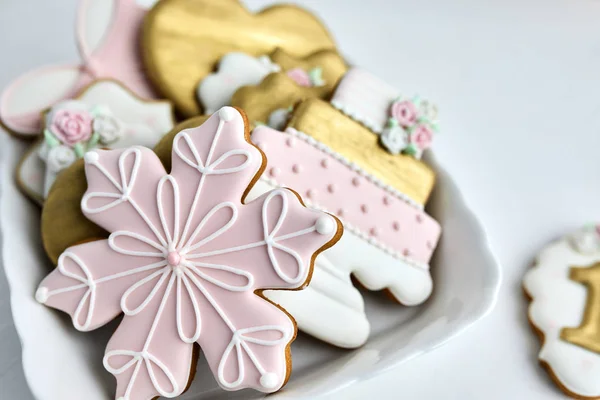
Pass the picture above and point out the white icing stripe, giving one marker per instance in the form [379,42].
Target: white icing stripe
[358,232]
[354,167]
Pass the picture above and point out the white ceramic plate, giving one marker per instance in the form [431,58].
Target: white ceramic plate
[61,363]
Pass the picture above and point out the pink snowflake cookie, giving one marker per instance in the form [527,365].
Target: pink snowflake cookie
[184,261]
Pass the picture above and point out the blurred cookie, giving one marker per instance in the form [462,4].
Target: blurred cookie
[564,289]
[107,36]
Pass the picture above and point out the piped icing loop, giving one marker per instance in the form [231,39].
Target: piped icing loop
[190,255]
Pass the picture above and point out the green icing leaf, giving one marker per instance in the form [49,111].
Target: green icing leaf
[316,76]
[50,139]
[99,110]
[93,142]
[410,150]
[79,150]
[392,123]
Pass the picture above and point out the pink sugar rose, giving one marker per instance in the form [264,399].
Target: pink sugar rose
[72,126]
[404,112]
[300,76]
[422,136]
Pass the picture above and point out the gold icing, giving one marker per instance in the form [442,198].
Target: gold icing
[587,335]
[349,138]
[276,91]
[279,91]
[63,222]
[184,39]
[329,61]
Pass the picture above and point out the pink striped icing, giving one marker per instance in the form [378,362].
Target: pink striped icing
[324,181]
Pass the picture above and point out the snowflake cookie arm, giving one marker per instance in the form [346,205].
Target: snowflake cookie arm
[89,281]
[145,354]
[123,186]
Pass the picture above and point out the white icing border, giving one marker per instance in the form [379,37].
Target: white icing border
[354,167]
[357,117]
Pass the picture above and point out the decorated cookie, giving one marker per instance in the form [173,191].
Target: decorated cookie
[564,289]
[314,75]
[341,320]
[188,264]
[389,238]
[103,115]
[184,40]
[405,124]
[107,37]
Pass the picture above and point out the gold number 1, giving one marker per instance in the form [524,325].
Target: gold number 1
[587,335]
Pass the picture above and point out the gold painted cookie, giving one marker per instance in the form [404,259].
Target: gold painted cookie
[184,39]
[269,102]
[358,144]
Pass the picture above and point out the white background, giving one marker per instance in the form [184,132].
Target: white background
[518,84]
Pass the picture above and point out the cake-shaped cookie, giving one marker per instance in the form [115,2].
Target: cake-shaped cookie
[104,115]
[377,189]
[107,35]
[186,260]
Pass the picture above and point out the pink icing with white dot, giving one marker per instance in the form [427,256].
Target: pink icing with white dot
[366,206]
[183,261]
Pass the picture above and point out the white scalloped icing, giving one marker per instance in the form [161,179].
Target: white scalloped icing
[559,302]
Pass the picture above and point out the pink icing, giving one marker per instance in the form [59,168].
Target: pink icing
[422,136]
[300,76]
[118,57]
[366,206]
[404,112]
[183,261]
[71,126]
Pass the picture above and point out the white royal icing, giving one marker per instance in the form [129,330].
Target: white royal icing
[234,71]
[125,121]
[559,302]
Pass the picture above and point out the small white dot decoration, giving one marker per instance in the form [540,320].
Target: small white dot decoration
[227,113]
[324,225]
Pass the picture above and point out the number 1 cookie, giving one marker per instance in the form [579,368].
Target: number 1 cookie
[186,261]
[564,289]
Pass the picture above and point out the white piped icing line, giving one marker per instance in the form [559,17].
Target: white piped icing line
[353,166]
[179,264]
[357,117]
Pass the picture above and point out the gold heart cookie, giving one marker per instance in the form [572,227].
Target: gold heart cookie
[63,222]
[184,39]
[356,143]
